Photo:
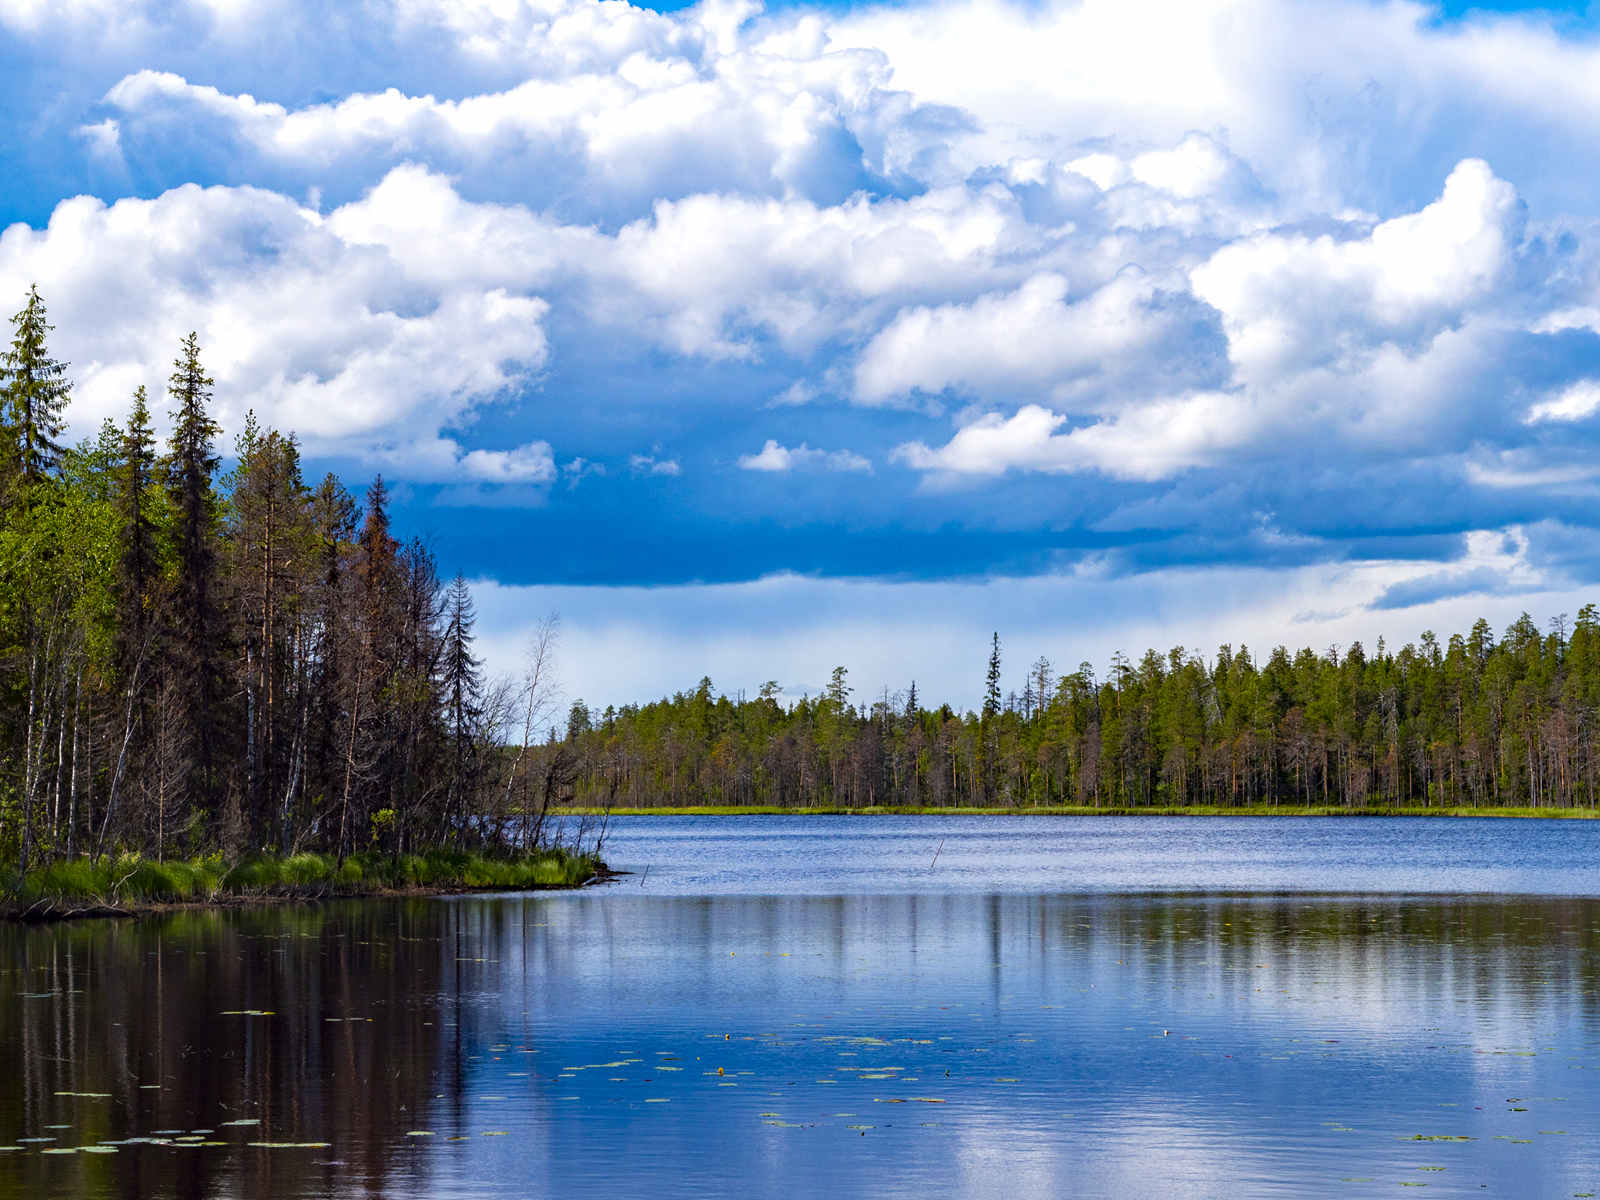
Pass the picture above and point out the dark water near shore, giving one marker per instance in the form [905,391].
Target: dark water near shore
[1022,1027]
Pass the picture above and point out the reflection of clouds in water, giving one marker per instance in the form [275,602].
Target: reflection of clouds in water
[391,1016]
[1309,1093]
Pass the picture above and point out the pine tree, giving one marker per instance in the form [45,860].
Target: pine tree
[35,395]
[838,690]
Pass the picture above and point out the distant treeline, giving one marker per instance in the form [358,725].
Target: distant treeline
[193,663]
[1471,722]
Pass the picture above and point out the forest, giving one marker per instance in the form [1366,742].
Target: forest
[1473,722]
[195,662]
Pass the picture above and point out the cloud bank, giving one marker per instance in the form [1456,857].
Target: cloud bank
[929,291]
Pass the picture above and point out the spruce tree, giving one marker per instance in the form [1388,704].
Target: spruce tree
[460,669]
[991,687]
[377,549]
[139,562]
[462,686]
[989,749]
[35,395]
[197,653]
[334,517]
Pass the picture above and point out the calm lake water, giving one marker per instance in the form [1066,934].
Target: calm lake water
[814,1007]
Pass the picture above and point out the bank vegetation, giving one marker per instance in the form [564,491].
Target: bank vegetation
[1471,722]
[241,668]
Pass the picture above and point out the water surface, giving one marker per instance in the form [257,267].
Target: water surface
[1049,1019]
[877,855]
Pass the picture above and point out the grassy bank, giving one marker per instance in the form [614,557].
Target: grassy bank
[132,882]
[1255,810]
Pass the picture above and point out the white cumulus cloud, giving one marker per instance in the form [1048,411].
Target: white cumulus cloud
[1361,341]
[1573,403]
[1289,301]
[1150,442]
[1288,243]
[533,463]
[325,336]
[1031,337]
[775,458]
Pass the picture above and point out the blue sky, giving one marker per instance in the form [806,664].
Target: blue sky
[757,341]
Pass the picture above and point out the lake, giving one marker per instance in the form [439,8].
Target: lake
[769,1006]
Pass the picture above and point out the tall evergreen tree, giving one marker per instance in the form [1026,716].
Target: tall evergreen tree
[991,684]
[462,680]
[334,518]
[139,561]
[32,399]
[268,536]
[197,650]
[35,396]
[377,549]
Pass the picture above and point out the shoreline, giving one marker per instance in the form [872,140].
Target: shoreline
[133,886]
[1259,810]
[47,910]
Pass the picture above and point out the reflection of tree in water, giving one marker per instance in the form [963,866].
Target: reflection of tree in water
[157,1014]
[1517,950]
[363,1043]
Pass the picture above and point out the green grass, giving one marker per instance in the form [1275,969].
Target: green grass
[131,879]
[1160,810]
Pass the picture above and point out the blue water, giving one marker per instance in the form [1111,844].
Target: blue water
[879,855]
[813,1007]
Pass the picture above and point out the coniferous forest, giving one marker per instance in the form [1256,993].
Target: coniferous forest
[198,662]
[1474,722]
[204,661]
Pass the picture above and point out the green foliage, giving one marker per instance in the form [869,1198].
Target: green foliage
[33,397]
[1471,723]
[133,879]
[192,663]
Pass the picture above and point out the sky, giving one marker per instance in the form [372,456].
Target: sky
[756,341]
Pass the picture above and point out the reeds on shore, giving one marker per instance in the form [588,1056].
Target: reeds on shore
[133,880]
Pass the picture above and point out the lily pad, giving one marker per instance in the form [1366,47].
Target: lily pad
[290,1145]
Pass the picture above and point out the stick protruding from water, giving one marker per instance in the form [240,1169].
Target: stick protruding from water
[936,854]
